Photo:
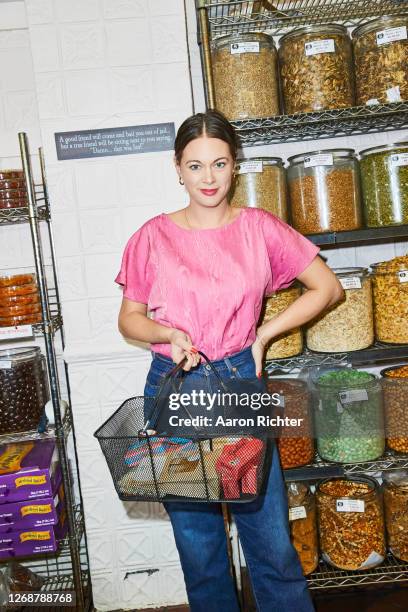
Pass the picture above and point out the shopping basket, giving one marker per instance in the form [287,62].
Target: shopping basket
[200,465]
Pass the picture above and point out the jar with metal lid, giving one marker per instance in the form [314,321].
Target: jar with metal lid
[303,525]
[245,72]
[390,294]
[395,390]
[23,389]
[351,522]
[290,343]
[324,189]
[316,69]
[348,415]
[260,182]
[381,60]
[295,444]
[395,486]
[348,325]
[384,178]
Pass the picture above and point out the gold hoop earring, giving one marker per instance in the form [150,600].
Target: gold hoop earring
[181,182]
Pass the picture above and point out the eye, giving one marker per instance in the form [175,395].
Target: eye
[194,166]
[220,164]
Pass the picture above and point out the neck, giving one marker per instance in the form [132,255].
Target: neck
[208,217]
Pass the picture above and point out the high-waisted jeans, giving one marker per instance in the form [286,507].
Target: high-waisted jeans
[273,564]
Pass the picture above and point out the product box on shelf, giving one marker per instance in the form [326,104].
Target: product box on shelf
[28,470]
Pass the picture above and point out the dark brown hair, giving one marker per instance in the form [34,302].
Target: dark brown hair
[212,123]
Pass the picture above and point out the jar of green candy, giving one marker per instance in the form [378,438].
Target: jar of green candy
[384,176]
[348,416]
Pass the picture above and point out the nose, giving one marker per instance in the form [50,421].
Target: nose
[208,176]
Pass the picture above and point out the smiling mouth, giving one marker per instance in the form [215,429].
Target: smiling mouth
[209,192]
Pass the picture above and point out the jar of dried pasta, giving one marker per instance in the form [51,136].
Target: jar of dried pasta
[245,72]
[295,443]
[384,178]
[324,189]
[290,343]
[316,69]
[381,60]
[395,389]
[303,525]
[390,293]
[260,182]
[395,485]
[351,522]
[348,325]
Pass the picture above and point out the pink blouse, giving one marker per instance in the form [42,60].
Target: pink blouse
[210,282]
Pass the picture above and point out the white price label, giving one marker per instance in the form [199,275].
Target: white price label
[298,512]
[246,167]
[5,365]
[246,47]
[350,282]
[315,47]
[11,333]
[391,35]
[372,102]
[399,159]
[393,94]
[403,276]
[353,395]
[350,505]
[322,159]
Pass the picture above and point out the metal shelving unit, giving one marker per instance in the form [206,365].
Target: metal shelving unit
[365,235]
[68,568]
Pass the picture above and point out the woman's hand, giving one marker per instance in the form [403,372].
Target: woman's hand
[181,346]
[258,349]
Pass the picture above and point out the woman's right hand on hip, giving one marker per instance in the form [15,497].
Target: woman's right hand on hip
[181,346]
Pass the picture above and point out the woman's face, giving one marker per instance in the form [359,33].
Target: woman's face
[206,168]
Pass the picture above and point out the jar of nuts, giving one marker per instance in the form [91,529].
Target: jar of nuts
[295,444]
[381,60]
[324,189]
[316,69]
[260,182]
[351,522]
[390,293]
[290,343]
[348,325]
[23,389]
[245,72]
[395,389]
[395,485]
[384,178]
[303,525]
[348,415]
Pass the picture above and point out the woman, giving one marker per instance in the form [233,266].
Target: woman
[203,271]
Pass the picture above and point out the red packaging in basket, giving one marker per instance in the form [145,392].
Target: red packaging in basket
[237,466]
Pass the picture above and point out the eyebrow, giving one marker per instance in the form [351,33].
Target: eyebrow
[198,161]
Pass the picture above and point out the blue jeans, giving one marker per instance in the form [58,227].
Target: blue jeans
[273,564]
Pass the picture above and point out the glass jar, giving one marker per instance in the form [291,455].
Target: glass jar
[348,325]
[395,390]
[19,298]
[290,343]
[23,389]
[395,485]
[390,294]
[351,522]
[245,72]
[381,59]
[384,179]
[260,182]
[303,525]
[316,69]
[348,415]
[295,444]
[324,188]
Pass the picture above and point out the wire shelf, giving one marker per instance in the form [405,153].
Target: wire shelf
[33,434]
[11,216]
[279,16]
[369,234]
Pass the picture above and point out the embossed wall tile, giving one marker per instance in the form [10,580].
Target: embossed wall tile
[172,586]
[172,85]
[164,544]
[45,49]
[134,546]
[39,11]
[100,273]
[83,378]
[98,477]
[87,92]
[104,316]
[105,590]
[16,69]
[100,544]
[120,9]
[140,587]
[128,514]
[135,216]
[71,278]
[169,7]
[14,39]
[76,10]
[98,507]
[128,42]
[100,231]
[119,381]
[82,46]
[132,89]
[169,39]
[20,110]
[140,180]
[66,225]
[60,180]
[76,320]
[96,184]
[50,95]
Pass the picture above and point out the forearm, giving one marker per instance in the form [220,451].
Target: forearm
[137,326]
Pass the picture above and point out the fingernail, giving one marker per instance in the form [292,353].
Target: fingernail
[259,374]
[193,349]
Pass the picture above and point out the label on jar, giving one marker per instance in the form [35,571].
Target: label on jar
[403,276]
[21,331]
[372,102]
[250,166]
[350,505]
[298,512]
[245,47]
[315,47]
[322,159]
[400,159]
[5,365]
[353,395]
[393,94]
[350,282]
[391,35]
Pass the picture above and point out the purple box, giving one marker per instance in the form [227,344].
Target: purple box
[28,470]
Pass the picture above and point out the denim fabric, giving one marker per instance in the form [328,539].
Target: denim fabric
[273,564]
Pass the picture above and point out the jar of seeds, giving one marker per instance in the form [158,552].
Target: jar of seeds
[395,485]
[390,293]
[290,343]
[395,389]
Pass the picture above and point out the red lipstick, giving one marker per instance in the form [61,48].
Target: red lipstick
[209,192]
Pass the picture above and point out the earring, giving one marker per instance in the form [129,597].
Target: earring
[181,182]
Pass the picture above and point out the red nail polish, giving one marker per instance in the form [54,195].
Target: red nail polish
[193,349]
[259,374]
